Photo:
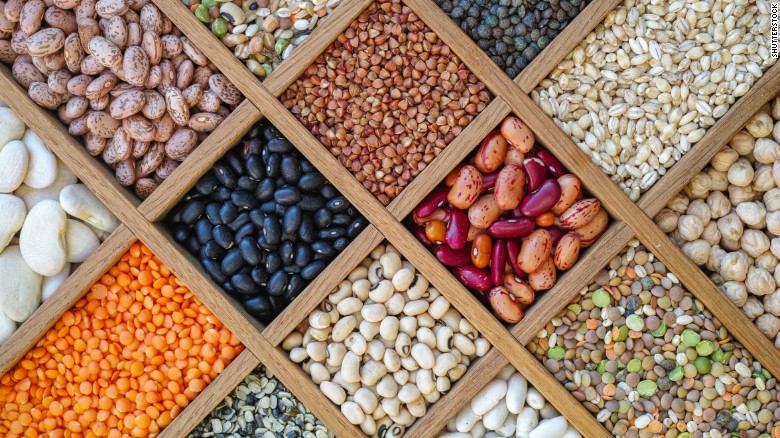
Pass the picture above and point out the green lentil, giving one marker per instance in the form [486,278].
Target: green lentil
[690,338]
[601,298]
[556,353]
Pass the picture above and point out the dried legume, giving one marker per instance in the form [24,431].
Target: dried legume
[124,361]
[386,97]
[644,87]
[261,406]
[690,379]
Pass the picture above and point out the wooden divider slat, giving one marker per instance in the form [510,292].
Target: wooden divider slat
[564,43]
[212,396]
[72,290]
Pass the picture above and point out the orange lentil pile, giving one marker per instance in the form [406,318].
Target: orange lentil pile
[123,362]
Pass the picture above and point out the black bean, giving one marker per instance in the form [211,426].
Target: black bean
[292,269]
[224,236]
[232,262]
[292,220]
[323,248]
[245,200]
[228,212]
[323,218]
[279,145]
[212,213]
[311,182]
[213,250]
[278,303]
[337,204]
[181,233]
[328,191]
[312,270]
[268,207]
[341,244]
[192,211]
[307,231]
[253,146]
[280,210]
[203,229]
[311,202]
[222,194]
[277,283]
[265,190]
[259,275]
[295,286]
[332,233]
[225,174]
[255,167]
[303,255]
[240,220]
[287,252]
[287,195]
[248,183]
[291,169]
[265,245]
[247,230]
[256,216]
[342,219]
[273,263]
[250,251]
[244,284]
[273,165]
[207,184]
[272,230]
[258,305]
[356,227]
[192,244]
[213,269]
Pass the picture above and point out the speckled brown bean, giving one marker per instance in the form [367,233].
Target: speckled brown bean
[181,143]
[167,167]
[154,106]
[101,86]
[5,24]
[119,148]
[87,29]
[45,42]
[151,20]
[13,10]
[106,52]
[7,54]
[125,172]
[83,8]
[151,161]
[151,44]
[154,79]
[136,66]
[139,127]
[226,91]
[58,81]
[144,187]
[115,30]
[209,102]
[168,75]
[193,52]
[102,124]
[91,66]
[176,106]
[121,88]
[52,61]
[19,42]
[205,122]
[76,106]
[140,148]
[127,104]
[32,15]
[134,34]
[164,127]
[93,144]
[192,94]
[201,76]
[109,8]
[26,74]
[100,103]
[61,19]
[79,125]
[184,74]
[73,52]
[41,94]
[78,85]
[38,62]
[171,46]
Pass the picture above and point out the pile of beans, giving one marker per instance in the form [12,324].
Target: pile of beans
[124,361]
[385,345]
[509,220]
[648,82]
[47,222]
[648,359]
[264,222]
[507,406]
[727,220]
[121,75]
[261,406]
[511,32]
[260,32]
[386,97]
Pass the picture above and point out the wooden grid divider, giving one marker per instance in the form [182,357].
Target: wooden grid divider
[629,219]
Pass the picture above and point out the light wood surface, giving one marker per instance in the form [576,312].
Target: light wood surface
[143,220]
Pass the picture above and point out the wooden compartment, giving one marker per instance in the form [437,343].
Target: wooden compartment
[629,220]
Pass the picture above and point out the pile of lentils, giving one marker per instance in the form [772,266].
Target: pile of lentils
[386,97]
[262,33]
[645,356]
[261,407]
[264,222]
[512,32]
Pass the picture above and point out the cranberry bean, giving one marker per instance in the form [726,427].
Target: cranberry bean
[570,190]
[544,277]
[473,277]
[541,200]
[580,213]
[453,258]
[490,154]
[518,134]
[465,189]
[481,250]
[535,172]
[484,211]
[536,248]
[554,166]
[511,228]
[567,251]
[512,251]
[591,231]
[504,305]
[436,199]
[457,229]
[509,187]
[523,293]
[498,262]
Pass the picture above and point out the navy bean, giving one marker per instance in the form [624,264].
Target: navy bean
[213,269]
[323,218]
[233,262]
[213,250]
[250,251]
[291,169]
[225,174]
[312,270]
[292,220]
[337,204]
[192,211]
[277,283]
[272,230]
[244,284]
[311,182]
[287,195]
[228,212]
[203,229]
[244,199]
[224,236]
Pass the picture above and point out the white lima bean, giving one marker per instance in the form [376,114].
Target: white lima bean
[391,350]
[502,408]
[42,239]
[78,201]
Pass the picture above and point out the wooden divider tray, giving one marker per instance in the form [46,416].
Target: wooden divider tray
[629,220]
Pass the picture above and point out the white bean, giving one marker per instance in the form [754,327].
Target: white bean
[392,360]
[373,312]
[495,417]
[350,368]
[388,328]
[439,307]
[387,387]
[371,372]
[423,355]
[369,329]
[334,392]
[343,328]
[356,343]
[395,305]
[489,397]
[417,407]
[380,292]
[352,411]
[293,340]
[336,354]
[349,305]
[517,388]
[426,336]
[366,400]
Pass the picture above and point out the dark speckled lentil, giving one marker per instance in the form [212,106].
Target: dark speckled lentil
[512,32]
